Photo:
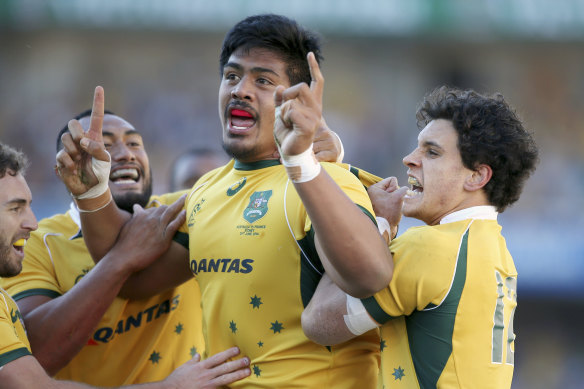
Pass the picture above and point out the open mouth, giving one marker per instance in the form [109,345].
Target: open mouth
[19,246]
[125,176]
[240,120]
[416,188]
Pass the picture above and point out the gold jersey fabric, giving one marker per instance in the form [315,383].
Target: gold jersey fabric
[13,341]
[447,314]
[252,251]
[135,341]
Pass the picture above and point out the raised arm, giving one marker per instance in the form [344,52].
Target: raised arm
[72,317]
[351,249]
[84,167]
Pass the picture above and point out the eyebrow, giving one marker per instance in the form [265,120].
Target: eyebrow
[257,69]
[430,143]
[16,201]
[128,132]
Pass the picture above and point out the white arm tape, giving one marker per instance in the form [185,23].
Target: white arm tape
[357,319]
[383,225]
[302,167]
[101,169]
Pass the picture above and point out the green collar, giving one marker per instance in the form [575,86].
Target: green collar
[255,165]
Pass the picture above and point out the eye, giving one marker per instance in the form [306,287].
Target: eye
[433,153]
[263,81]
[230,76]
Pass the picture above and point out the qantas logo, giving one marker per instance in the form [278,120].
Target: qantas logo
[106,334]
[224,265]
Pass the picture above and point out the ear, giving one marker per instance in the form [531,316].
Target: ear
[479,178]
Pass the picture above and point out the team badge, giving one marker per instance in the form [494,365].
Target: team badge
[233,189]
[258,206]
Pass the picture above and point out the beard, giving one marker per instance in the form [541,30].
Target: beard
[239,152]
[126,201]
[7,268]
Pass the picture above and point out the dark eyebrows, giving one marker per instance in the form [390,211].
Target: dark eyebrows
[16,201]
[127,132]
[257,69]
[430,143]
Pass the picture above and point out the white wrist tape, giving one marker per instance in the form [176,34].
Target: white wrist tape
[357,319]
[384,228]
[101,169]
[302,167]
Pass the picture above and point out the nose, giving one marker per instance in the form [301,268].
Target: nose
[241,91]
[120,152]
[410,160]
[30,222]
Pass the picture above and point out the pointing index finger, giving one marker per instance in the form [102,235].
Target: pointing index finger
[317,83]
[96,123]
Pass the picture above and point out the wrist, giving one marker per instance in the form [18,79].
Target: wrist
[302,167]
[94,204]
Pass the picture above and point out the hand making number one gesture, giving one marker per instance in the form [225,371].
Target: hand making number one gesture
[84,164]
[298,117]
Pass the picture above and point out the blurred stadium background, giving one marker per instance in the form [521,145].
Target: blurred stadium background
[158,63]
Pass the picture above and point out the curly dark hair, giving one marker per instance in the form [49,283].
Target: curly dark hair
[489,132]
[278,34]
[12,161]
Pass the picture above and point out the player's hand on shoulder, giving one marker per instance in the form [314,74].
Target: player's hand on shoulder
[213,372]
[148,234]
[327,145]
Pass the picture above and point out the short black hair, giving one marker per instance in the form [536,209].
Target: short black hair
[65,129]
[278,34]
[489,132]
[12,161]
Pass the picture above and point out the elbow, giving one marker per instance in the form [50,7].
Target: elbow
[372,281]
[310,327]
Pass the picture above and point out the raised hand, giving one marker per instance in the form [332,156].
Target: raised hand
[299,112]
[387,199]
[83,162]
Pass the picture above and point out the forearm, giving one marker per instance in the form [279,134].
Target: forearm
[101,229]
[354,253]
[322,319]
[71,319]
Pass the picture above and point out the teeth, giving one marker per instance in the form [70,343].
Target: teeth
[132,173]
[20,243]
[413,181]
[240,128]
[410,193]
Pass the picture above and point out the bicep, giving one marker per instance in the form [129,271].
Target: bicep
[28,304]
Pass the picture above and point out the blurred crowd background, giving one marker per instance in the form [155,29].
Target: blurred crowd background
[158,63]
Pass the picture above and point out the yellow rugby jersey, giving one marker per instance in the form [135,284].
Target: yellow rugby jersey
[135,341]
[13,341]
[447,313]
[252,251]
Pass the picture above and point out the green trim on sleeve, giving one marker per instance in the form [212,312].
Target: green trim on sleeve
[309,277]
[13,355]
[376,312]
[36,292]
[182,238]
[366,212]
